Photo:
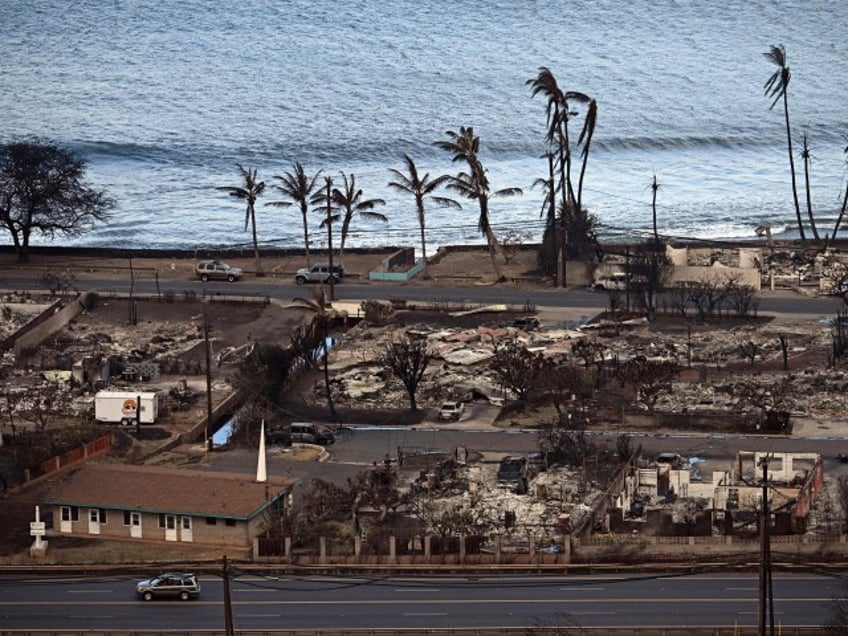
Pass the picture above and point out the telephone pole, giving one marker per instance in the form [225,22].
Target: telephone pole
[206,346]
[766,605]
[229,629]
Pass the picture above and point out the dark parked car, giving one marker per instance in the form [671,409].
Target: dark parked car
[181,585]
[307,433]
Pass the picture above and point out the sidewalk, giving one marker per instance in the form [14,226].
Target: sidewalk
[814,426]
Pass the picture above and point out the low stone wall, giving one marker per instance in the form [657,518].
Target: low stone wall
[620,549]
[48,326]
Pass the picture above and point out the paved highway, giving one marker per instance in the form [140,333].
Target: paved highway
[779,302]
[721,600]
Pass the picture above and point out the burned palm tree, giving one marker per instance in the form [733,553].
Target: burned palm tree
[474,184]
[575,224]
[249,192]
[296,187]
[320,307]
[844,200]
[585,140]
[422,187]
[776,88]
[807,156]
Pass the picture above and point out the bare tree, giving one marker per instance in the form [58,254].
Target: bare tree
[650,377]
[565,441]
[564,383]
[408,359]
[706,295]
[518,369]
[773,401]
[741,298]
[43,191]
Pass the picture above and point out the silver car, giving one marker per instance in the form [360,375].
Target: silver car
[217,270]
[181,585]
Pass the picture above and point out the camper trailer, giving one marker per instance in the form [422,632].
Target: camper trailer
[123,407]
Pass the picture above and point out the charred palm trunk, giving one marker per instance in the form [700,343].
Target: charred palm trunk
[491,239]
[303,210]
[806,155]
[792,167]
[259,271]
[841,213]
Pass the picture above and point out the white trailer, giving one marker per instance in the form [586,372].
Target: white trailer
[122,407]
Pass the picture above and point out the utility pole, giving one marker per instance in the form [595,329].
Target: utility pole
[208,434]
[766,605]
[332,274]
[229,630]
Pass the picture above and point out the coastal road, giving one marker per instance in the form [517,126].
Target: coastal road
[769,302]
[313,603]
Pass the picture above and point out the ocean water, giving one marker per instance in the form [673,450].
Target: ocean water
[164,98]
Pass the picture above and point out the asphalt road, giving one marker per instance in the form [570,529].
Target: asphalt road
[313,603]
[777,302]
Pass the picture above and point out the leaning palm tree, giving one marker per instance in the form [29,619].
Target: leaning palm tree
[296,187]
[320,307]
[348,202]
[807,156]
[844,201]
[420,187]
[556,135]
[776,87]
[474,184]
[249,192]
[585,139]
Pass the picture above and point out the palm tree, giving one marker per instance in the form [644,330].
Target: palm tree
[474,184]
[654,187]
[348,202]
[556,109]
[585,139]
[776,87]
[320,308]
[559,113]
[807,156]
[296,187]
[421,187]
[249,192]
[844,201]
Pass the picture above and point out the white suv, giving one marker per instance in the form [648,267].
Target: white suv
[451,411]
[613,282]
[319,273]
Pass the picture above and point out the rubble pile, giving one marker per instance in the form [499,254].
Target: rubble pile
[556,500]
[717,358]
